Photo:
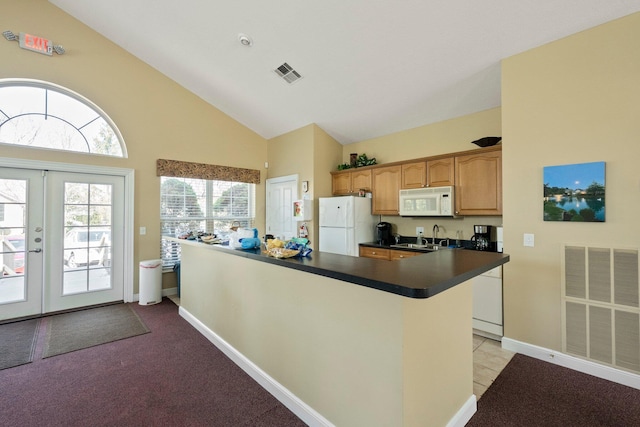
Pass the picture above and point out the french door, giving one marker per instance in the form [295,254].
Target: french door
[21,234]
[62,241]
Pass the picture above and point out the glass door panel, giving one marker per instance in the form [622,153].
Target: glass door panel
[21,195]
[13,205]
[87,242]
[86,221]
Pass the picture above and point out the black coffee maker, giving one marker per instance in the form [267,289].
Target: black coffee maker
[481,237]
[384,234]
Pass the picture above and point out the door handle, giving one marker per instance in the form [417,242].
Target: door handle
[36,250]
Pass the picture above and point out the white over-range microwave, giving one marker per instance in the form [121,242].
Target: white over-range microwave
[429,201]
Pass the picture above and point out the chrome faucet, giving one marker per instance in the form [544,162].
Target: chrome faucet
[435,233]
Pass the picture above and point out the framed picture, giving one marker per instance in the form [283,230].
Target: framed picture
[574,193]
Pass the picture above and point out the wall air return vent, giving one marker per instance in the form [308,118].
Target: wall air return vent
[601,305]
[287,73]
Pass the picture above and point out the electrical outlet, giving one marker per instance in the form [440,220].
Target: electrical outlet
[419,230]
[529,240]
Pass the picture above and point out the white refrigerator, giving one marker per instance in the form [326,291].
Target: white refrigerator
[345,222]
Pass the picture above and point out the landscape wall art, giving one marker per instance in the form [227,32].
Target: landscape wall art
[574,193]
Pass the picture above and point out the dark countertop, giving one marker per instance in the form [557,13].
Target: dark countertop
[416,277]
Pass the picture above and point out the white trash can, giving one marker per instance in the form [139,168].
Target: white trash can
[150,282]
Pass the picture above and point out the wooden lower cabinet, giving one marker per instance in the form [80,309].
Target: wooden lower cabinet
[376,253]
[397,255]
[386,254]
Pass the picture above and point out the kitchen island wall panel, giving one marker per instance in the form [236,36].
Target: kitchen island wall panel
[354,355]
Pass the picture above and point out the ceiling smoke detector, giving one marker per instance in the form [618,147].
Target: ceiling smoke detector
[245,40]
[287,73]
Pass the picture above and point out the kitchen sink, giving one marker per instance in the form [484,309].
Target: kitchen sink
[422,247]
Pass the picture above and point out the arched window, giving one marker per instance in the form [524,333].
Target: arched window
[43,115]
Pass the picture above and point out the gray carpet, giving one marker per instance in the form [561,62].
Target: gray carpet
[87,328]
[17,342]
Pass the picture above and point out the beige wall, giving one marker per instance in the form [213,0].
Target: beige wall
[572,101]
[439,138]
[310,153]
[157,117]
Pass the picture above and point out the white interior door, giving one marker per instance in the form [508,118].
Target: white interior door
[21,234]
[85,235]
[281,193]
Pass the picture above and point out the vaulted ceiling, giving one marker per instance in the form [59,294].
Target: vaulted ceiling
[368,67]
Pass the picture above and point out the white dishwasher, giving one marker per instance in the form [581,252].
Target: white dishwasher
[487,304]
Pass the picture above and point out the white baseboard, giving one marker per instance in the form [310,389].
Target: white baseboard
[165,293]
[288,399]
[462,417]
[562,359]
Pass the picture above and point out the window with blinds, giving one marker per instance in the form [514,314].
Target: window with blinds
[201,205]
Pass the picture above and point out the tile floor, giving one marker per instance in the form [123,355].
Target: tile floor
[488,359]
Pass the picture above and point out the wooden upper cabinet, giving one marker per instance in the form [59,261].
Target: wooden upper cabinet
[361,180]
[440,173]
[341,183]
[479,184]
[350,181]
[432,173]
[386,188]
[414,175]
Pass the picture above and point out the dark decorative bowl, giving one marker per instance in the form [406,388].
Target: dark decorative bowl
[487,141]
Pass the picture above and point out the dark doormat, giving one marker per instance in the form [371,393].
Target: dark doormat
[87,328]
[17,342]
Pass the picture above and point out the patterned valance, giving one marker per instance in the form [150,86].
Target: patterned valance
[205,171]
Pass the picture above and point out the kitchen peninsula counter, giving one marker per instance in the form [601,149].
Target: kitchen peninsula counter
[341,340]
[417,277]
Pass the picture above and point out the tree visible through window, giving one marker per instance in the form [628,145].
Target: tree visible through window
[42,115]
[198,205]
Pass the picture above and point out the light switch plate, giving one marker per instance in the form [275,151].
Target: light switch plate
[143,231]
[419,230]
[529,240]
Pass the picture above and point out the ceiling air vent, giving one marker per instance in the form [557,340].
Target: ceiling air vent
[287,73]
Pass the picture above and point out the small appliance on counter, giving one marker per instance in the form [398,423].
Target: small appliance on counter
[482,238]
[499,239]
[384,234]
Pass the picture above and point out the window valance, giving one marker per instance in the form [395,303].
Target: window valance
[204,171]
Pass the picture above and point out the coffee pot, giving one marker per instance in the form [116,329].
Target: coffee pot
[481,237]
[384,235]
